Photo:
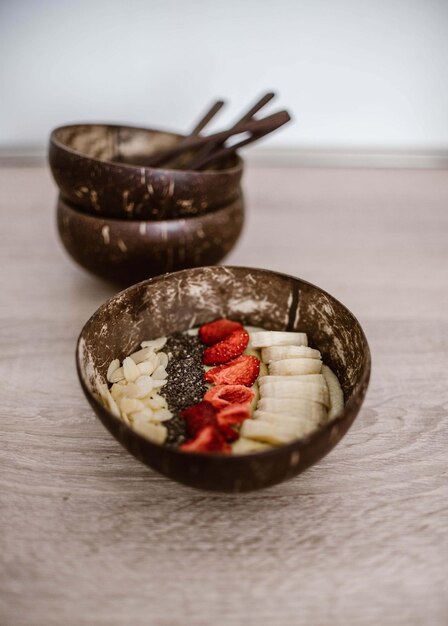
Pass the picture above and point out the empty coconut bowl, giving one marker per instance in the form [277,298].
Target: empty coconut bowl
[101,169]
[126,252]
[179,301]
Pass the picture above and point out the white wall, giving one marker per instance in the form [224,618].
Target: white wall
[369,74]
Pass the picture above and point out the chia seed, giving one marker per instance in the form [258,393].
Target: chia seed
[185,384]
[181,346]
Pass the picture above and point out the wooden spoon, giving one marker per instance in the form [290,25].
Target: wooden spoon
[159,158]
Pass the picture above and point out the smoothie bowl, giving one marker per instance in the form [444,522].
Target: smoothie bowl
[225,378]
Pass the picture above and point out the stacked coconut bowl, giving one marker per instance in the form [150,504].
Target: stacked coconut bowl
[137,202]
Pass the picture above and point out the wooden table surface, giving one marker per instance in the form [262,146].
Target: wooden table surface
[89,536]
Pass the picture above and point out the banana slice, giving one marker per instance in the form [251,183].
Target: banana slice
[299,426]
[335,392]
[288,419]
[295,367]
[267,338]
[255,399]
[293,406]
[278,353]
[246,446]
[267,432]
[300,378]
[263,372]
[296,389]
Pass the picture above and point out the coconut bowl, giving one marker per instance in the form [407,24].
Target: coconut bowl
[101,168]
[126,252]
[179,301]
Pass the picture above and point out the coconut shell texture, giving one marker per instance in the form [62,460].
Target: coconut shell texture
[179,301]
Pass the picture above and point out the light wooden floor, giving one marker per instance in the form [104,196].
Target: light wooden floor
[89,536]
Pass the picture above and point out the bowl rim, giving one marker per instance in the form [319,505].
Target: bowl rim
[208,173]
[65,204]
[293,446]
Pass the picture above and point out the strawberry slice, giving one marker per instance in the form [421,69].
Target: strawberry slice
[209,439]
[204,415]
[229,434]
[223,395]
[198,416]
[227,349]
[217,331]
[233,414]
[243,370]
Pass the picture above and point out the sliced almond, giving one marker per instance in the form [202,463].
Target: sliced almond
[131,371]
[141,355]
[108,401]
[156,383]
[144,386]
[155,344]
[147,367]
[130,391]
[162,415]
[143,415]
[131,405]
[118,391]
[112,405]
[154,432]
[163,358]
[102,390]
[160,373]
[156,401]
[117,376]
[114,365]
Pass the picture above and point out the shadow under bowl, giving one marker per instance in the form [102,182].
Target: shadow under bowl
[101,169]
[127,252]
[179,301]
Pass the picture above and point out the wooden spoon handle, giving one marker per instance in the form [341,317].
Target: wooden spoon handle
[259,104]
[223,152]
[252,126]
[160,157]
[205,119]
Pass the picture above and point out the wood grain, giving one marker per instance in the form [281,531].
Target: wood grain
[89,536]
